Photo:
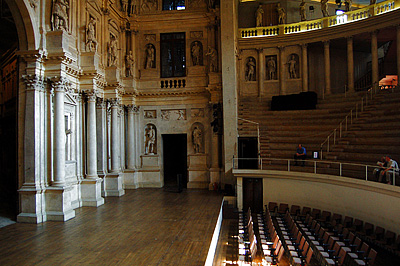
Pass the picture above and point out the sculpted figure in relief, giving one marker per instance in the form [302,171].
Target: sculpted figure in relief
[302,10]
[197,139]
[112,51]
[281,13]
[259,16]
[91,42]
[149,5]
[129,62]
[251,70]
[150,139]
[212,53]
[324,8]
[292,67]
[60,15]
[149,57]
[196,54]
[271,66]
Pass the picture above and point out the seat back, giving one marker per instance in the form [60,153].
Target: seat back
[280,254]
[358,224]
[305,249]
[325,216]
[351,237]
[390,237]
[295,210]
[316,213]
[309,255]
[283,207]
[369,229]
[342,256]
[357,243]
[348,221]
[379,232]
[345,232]
[306,210]
[337,217]
[272,206]
[364,248]
[372,256]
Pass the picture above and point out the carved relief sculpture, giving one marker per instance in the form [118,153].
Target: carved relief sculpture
[181,114]
[112,51]
[324,8]
[212,53]
[281,13]
[91,42]
[150,56]
[302,10]
[197,54]
[129,62]
[150,139]
[149,5]
[165,114]
[197,139]
[124,5]
[250,69]
[60,15]
[292,67]
[271,68]
[259,16]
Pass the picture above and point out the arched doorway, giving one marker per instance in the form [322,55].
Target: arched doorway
[9,69]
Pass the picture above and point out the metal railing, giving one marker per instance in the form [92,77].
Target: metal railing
[350,170]
[349,119]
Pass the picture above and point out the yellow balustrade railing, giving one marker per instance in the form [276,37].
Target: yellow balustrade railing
[347,17]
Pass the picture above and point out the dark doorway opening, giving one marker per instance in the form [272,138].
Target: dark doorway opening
[248,153]
[175,160]
[253,194]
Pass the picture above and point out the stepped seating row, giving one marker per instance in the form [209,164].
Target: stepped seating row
[300,252]
[349,227]
[247,239]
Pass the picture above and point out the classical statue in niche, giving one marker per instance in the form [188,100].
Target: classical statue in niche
[91,42]
[196,54]
[124,5]
[212,53]
[150,56]
[281,13]
[271,67]
[250,69]
[259,16]
[348,4]
[197,139]
[302,10]
[292,67]
[129,62]
[324,8]
[150,140]
[112,51]
[60,15]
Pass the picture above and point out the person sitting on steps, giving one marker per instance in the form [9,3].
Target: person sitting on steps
[300,154]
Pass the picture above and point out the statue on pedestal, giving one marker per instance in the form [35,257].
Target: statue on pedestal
[112,51]
[303,10]
[60,15]
[197,137]
[149,56]
[251,70]
[150,140]
[324,8]
[259,16]
[129,61]
[213,59]
[91,42]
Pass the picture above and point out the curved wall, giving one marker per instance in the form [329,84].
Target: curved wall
[371,202]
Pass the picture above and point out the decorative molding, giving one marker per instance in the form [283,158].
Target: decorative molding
[150,114]
[150,37]
[196,34]
[165,114]
[34,82]
[197,112]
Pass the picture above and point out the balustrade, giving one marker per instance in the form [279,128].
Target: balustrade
[173,83]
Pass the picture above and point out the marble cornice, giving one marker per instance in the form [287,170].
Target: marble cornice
[389,19]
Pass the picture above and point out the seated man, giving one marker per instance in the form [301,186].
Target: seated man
[300,154]
[392,169]
[382,165]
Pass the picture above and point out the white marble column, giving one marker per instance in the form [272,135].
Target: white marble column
[91,185]
[101,124]
[304,65]
[350,64]
[327,61]
[374,55]
[131,147]
[261,71]
[58,199]
[113,180]
[282,89]
[398,52]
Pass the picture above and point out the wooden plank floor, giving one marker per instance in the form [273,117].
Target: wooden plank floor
[144,227]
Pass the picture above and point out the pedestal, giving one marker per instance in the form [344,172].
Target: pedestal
[215,177]
[198,171]
[150,173]
[58,204]
[131,179]
[112,75]
[31,203]
[214,78]
[113,185]
[91,192]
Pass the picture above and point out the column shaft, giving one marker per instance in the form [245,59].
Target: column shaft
[131,139]
[304,65]
[91,137]
[398,52]
[282,90]
[115,149]
[350,64]
[59,134]
[374,54]
[260,71]
[327,62]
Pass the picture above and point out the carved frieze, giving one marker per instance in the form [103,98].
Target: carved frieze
[196,34]
[197,112]
[150,114]
[150,37]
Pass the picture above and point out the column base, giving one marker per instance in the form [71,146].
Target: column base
[58,204]
[31,204]
[91,192]
[130,179]
[113,185]
[198,171]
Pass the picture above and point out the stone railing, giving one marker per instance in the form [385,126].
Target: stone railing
[348,17]
[172,83]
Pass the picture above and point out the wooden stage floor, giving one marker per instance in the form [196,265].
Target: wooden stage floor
[143,227]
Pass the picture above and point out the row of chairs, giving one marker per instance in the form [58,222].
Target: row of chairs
[247,239]
[300,252]
[334,247]
[385,239]
[271,244]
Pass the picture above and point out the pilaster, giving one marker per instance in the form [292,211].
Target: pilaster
[350,64]
[327,63]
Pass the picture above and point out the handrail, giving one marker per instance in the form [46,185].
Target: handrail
[326,22]
[351,116]
[365,169]
[258,135]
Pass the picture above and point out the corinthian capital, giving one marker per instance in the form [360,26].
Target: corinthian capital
[60,84]
[34,82]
